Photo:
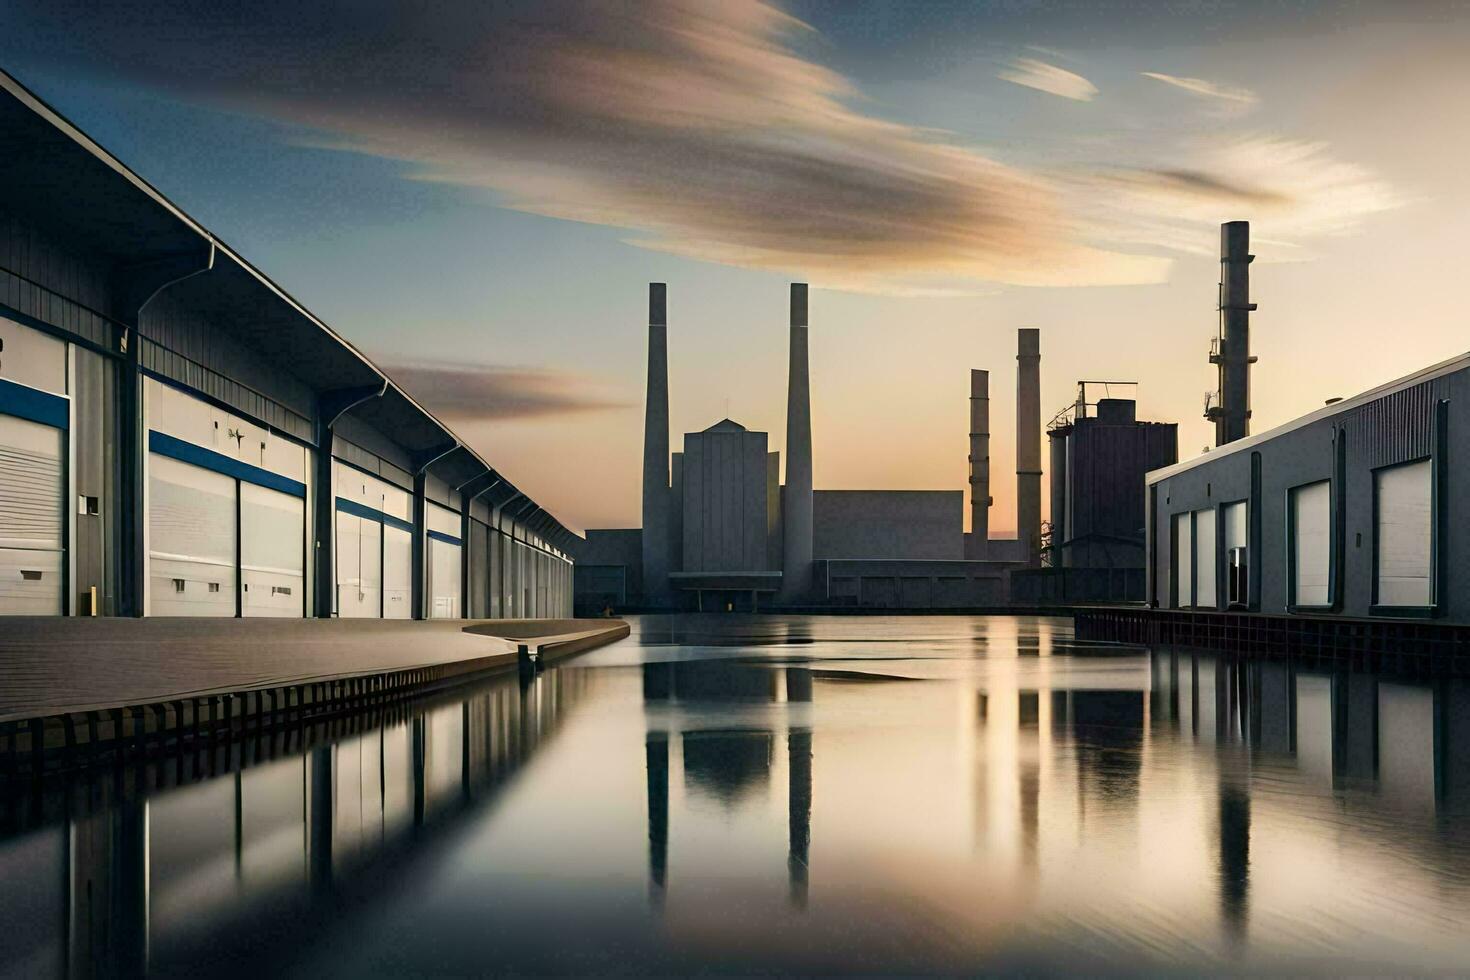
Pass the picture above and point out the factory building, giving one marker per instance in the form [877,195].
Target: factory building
[1100,455]
[1348,511]
[180,437]
[721,531]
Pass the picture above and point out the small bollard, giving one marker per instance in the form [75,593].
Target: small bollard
[527,661]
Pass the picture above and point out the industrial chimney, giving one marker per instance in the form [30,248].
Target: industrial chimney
[796,502]
[1028,444]
[979,540]
[656,451]
[1232,349]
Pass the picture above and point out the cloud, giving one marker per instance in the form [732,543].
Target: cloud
[1049,78]
[1207,89]
[495,393]
[694,124]
[1289,189]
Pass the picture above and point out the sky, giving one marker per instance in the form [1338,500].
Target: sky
[478,194]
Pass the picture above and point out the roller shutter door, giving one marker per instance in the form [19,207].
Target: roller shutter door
[31,475]
[272,533]
[191,539]
[397,573]
[359,567]
[1183,560]
[1311,522]
[1404,550]
[1204,559]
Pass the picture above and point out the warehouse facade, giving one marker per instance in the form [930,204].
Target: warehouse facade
[180,437]
[1349,511]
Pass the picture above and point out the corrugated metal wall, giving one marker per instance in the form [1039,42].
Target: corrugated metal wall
[27,255]
[184,346]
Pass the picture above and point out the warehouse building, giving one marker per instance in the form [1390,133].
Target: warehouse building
[1348,511]
[180,437]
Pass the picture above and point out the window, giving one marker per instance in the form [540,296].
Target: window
[1310,514]
[1205,595]
[1237,554]
[1403,515]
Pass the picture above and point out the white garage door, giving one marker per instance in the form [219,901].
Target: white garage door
[1404,505]
[1183,560]
[359,567]
[30,518]
[272,538]
[397,573]
[1311,517]
[1204,559]
[191,539]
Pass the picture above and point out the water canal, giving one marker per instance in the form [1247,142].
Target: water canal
[734,794]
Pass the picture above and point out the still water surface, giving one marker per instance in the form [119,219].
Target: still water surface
[946,794]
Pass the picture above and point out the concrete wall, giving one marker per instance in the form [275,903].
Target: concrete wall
[909,524]
[911,585]
[726,515]
[1427,419]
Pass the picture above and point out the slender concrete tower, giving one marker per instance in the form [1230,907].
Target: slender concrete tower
[656,452]
[979,540]
[1232,416]
[796,501]
[1028,444]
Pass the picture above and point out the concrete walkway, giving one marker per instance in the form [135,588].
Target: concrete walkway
[51,666]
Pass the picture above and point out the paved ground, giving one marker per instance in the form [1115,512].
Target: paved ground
[52,665]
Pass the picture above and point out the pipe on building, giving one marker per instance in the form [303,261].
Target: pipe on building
[979,540]
[797,501]
[655,537]
[1028,444]
[1058,478]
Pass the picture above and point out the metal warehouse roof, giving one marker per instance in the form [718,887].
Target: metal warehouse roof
[62,180]
[1458,363]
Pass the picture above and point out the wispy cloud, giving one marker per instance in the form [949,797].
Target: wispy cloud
[696,125]
[1207,89]
[1049,78]
[1293,190]
[496,393]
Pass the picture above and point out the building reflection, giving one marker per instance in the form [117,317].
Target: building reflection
[1400,744]
[150,875]
[726,764]
[1403,740]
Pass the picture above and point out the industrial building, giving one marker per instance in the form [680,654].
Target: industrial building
[1100,453]
[722,531]
[180,437]
[1345,513]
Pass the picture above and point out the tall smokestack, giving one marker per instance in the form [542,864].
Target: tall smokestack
[1028,444]
[656,450]
[1232,416]
[796,502]
[979,541]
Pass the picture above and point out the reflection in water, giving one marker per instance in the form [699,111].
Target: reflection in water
[657,746]
[987,795]
[728,764]
[155,879]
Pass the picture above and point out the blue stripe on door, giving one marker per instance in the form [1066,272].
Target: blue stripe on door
[368,513]
[446,538]
[186,452]
[33,404]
